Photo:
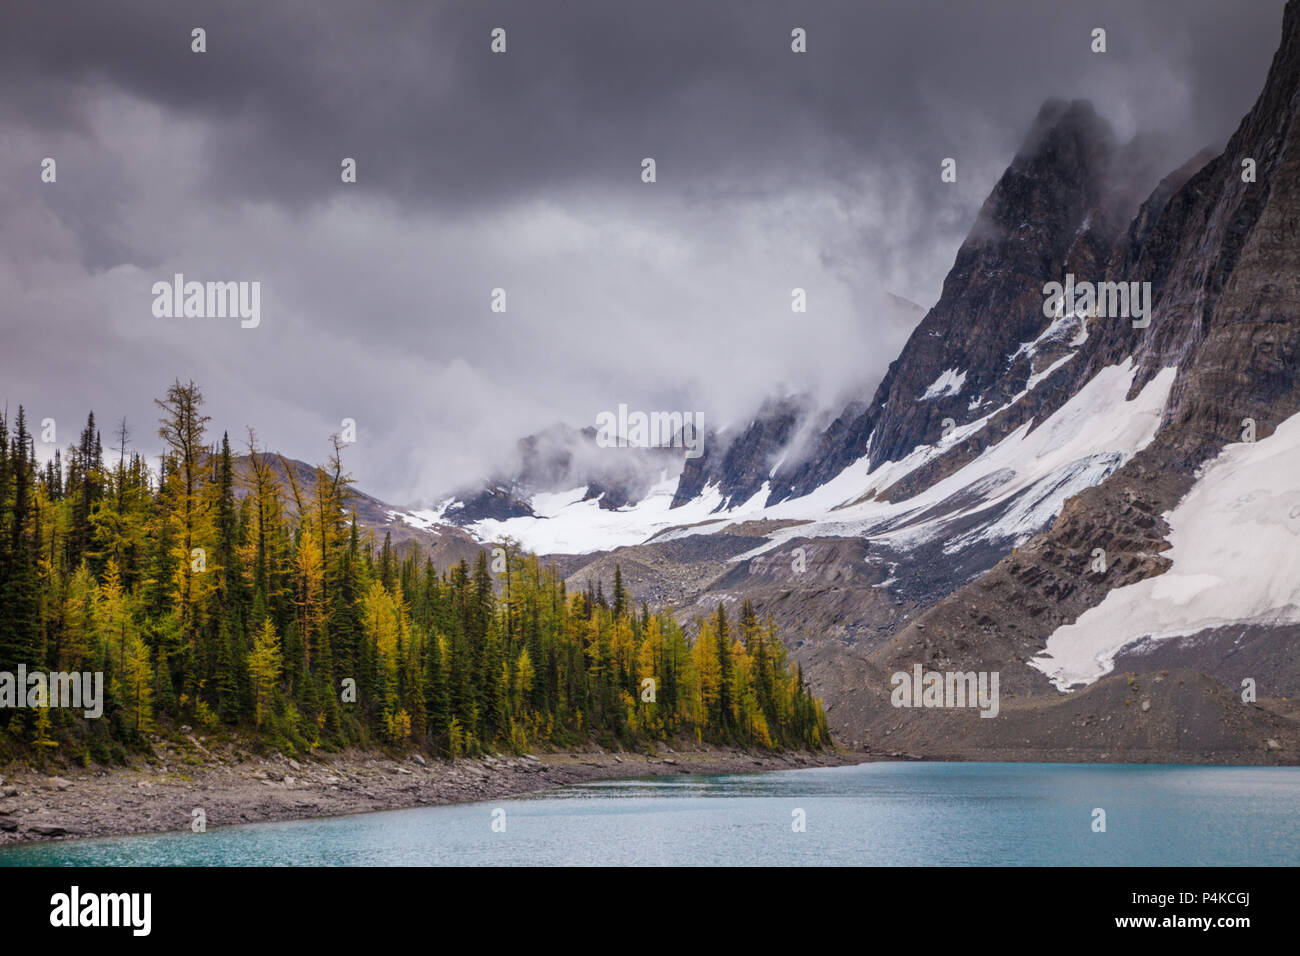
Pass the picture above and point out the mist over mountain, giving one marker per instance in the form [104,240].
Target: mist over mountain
[1054,495]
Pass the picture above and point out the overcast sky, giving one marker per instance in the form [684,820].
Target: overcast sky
[522,170]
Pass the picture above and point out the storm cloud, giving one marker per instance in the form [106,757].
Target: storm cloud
[522,171]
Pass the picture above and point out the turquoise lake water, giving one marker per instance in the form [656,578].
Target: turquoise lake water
[936,814]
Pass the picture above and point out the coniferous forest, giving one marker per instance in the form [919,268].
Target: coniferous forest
[225,591]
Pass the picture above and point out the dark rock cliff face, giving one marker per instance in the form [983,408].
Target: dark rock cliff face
[1224,257]
[1230,318]
[1058,208]
[739,463]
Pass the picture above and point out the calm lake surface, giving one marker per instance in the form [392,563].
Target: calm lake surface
[930,814]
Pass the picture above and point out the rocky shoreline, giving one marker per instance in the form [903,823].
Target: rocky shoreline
[233,788]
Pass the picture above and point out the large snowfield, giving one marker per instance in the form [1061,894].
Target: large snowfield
[1236,560]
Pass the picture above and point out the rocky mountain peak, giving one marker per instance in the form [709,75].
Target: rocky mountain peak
[1051,211]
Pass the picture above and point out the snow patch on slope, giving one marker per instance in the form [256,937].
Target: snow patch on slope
[1054,332]
[414,519]
[426,519]
[1236,559]
[949,382]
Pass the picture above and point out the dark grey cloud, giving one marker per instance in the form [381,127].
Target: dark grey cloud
[522,171]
